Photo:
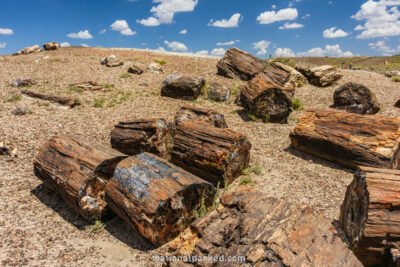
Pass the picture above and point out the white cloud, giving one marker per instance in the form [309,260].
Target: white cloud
[65,44]
[184,31]
[382,47]
[273,6]
[103,31]
[123,27]
[164,12]
[269,17]
[261,46]
[80,35]
[359,28]
[381,18]
[3,45]
[6,31]
[176,46]
[226,43]
[329,50]
[160,48]
[284,52]
[223,23]
[219,52]
[84,45]
[333,33]
[305,16]
[202,52]
[291,26]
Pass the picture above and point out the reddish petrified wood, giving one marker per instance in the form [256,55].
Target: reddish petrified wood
[349,139]
[78,171]
[62,100]
[156,197]
[216,155]
[209,116]
[143,135]
[370,215]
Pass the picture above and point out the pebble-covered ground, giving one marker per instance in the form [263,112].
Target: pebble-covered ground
[38,229]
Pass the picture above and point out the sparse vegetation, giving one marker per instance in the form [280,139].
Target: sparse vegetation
[76,89]
[396,79]
[108,85]
[247,181]
[256,169]
[125,75]
[97,227]
[160,61]
[284,60]
[14,98]
[99,102]
[201,210]
[235,90]
[297,104]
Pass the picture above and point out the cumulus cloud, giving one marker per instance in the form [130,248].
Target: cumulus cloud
[291,26]
[269,17]
[333,33]
[176,46]
[80,35]
[202,52]
[123,27]
[261,46]
[284,52]
[164,12]
[226,43]
[329,50]
[219,52]
[184,31]
[65,44]
[381,18]
[6,31]
[103,31]
[3,44]
[223,23]
[382,47]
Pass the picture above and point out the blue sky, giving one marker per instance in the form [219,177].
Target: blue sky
[280,28]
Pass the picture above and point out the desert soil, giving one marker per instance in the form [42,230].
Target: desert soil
[38,229]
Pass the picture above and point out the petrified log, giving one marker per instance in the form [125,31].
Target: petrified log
[370,215]
[62,100]
[112,61]
[143,135]
[51,46]
[355,98]
[209,116]
[295,79]
[155,197]
[23,82]
[349,139]
[263,231]
[214,154]
[218,93]
[323,76]
[182,87]
[137,68]
[78,171]
[89,85]
[266,100]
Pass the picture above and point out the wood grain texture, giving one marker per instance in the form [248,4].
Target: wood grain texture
[209,116]
[62,100]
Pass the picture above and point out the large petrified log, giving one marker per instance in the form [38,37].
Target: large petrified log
[355,98]
[295,79]
[209,116]
[370,215]
[78,171]
[182,87]
[349,139]
[257,230]
[51,46]
[62,100]
[266,100]
[214,154]
[323,76]
[155,197]
[143,135]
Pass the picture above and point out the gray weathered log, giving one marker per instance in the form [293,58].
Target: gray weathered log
[182,87]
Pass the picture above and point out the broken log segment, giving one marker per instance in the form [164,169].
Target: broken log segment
[209,116]
[62,100]
[78,171]
[214,154]
[349,139]
[370,214]
[155,197]
[143,135]
[89,85]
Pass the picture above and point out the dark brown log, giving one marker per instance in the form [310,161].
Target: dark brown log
[209,116]
[182,87]
[349,139]
[155,197]
[143,135]
[214,154]
[62,100]
[263,231]
[89,85]
[78,171]
[266,100]
[370,215]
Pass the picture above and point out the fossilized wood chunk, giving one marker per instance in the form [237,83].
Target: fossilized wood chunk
[349,139]
[51,46]
[214,154]
[78,171]
[137,68]
[295,79]
[218,93]
[209,116]
[182,87]
[143,135]
[89,85]
[370,215]
[62,100]
[265,231]
[266,100]
[155,197]
[323,76]
[112,61]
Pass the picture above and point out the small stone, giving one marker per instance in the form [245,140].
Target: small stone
[137,68]
[155,67]
[22,82]
[19,111]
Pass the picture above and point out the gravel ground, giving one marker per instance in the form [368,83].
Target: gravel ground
[38,228]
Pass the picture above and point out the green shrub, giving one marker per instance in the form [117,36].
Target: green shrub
[14,98]
[256,169]
[247,181]
[396,79]
[99,102]
[97,227]
[296,104]
[108,85]
[160,61]
[76,89]
[125,76]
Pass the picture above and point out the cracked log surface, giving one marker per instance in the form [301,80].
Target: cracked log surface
[266,231]
[143,135]
[78,171]
[370,215]
[214,154]
[62,100]
[349,139]
[155,197]
[209,116]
